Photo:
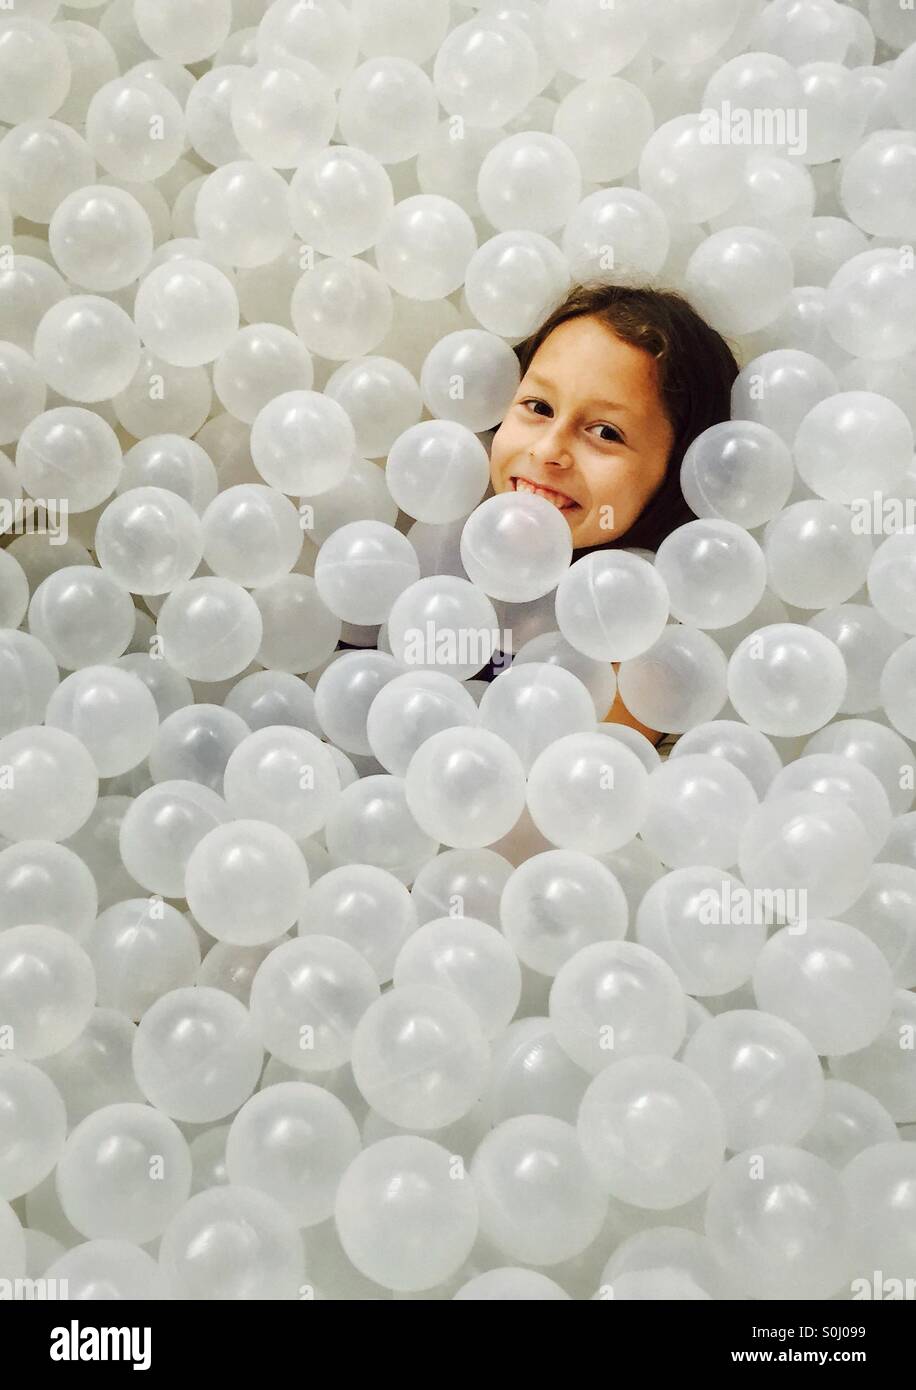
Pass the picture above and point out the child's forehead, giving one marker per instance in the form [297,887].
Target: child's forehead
[584,357]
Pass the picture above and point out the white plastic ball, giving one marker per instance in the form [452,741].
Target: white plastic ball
[232,1243]
[210,629]
[186,312]
[339,200]
[241,214]
[160,830]
[611,605]
[487,369]
[245,881]
[465,787]
[135,128]
[101,238]
[149,540]
[47,989]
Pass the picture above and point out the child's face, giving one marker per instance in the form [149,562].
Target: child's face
[588,424]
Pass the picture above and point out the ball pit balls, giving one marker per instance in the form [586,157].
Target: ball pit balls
[411,889]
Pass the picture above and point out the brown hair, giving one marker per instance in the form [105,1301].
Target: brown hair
[696,368]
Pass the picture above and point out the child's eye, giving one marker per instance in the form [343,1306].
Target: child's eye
[536,403]
[614,437]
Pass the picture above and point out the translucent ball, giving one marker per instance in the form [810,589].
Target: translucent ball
[299,631]
[830,982]
[594,108]
[620,230]
[403,1218]
[302,442]
[14,591]
[739,279]
[616,999]
[871,305]
[160,830]
[112,714]
[516,547]
[140,950]
[469,959]
[34,69]
[539,1201]
[341,309]
[698,807]
[884,1068]
[273,697]
[293,1141]
[149,540]
[806,840]
[533,703]
[425,246]
[828,774]
[744,748]
[511,1286]
[47,989]
[739,471]
[186,312]
[878,181]
[890,580]
[715,573]
[486,72]
[163,399]
[41,162]
[777,196]
[210,629]
[778,389]
[557,902]
[362,568]
[232,1243]
[694,919]
[339,200]
[853,444]
[465,787]
[764,1073]
[262,361]
[241,214]
[103,1177]
[135,128]
[244,882]
[778,1221]
[50,784]
[437,471]
[251,535]
[897,688]
[443,623]
[284,776]
[549,647]
[344,694]
[874,745]
[364,906]
[194,742]
[71,454]
[33,1128]
[652,1131]
[282,115]
[825,244]
[110,1270]
[488,370]
[29,675]
[469,882]
[883,912]
[786,679]
[514,280]
[592,41]
[589,793]
[45,882]
[851,1120]
[196,1056]
[678,683]
[817,556]
[28,288]
[208,113]
[23,392]
[690,177]
[879,1187]
[611,605]
[307,999]
[411,708]
[388,107]
[101,238]
[531,181]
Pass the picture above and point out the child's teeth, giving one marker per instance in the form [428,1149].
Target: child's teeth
[522,485]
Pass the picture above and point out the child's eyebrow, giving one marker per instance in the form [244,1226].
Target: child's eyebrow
[537,380]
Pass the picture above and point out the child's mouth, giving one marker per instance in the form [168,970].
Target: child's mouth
[559,499]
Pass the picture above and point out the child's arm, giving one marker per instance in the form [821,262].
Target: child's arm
[619,714]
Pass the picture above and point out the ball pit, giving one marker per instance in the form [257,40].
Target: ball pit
[344,874]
